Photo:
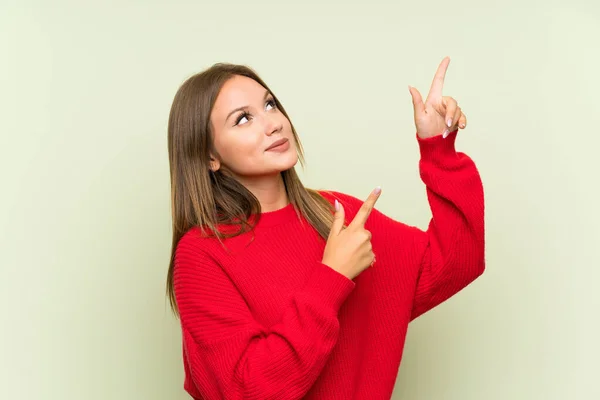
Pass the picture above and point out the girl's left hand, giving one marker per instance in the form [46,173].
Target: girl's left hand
[439,115]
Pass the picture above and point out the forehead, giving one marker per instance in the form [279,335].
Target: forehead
[238,91]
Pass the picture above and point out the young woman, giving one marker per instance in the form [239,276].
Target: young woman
[284,292]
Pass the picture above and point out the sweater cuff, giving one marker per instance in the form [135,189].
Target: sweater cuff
[437,148]
[328,287]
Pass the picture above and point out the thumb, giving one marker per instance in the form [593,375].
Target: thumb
[417,100]
[338,219]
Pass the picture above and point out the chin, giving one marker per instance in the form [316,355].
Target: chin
[292,161]
[288,167]
[284,167]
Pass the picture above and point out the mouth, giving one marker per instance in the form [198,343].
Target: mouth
[279,144]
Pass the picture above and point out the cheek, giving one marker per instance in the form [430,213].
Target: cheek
[239,149]
[248,144]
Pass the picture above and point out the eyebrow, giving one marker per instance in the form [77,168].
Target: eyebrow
[267,93]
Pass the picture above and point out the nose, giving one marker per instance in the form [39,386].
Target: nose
[272,124]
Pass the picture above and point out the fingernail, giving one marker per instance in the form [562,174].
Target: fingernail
[445,135]
[462,125]
[337,205]
[377,190]
[449,122]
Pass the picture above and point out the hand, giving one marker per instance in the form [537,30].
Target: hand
[439,115]
[349,251]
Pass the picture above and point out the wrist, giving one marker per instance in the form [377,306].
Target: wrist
[333,266]
[437,147]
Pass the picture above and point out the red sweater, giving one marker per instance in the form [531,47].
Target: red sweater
[268,320]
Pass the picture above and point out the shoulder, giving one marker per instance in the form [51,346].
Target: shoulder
[194,247]
[193,237]
[197,264]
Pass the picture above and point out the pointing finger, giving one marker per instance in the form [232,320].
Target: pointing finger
[435,92]
[365,210]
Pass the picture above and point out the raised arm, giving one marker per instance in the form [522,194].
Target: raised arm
[439,261]
[454,251]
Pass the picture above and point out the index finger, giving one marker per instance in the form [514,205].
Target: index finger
[438,80]
[365,210]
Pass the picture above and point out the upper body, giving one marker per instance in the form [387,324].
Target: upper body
[264,315]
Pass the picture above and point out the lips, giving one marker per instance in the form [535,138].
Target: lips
[277,143]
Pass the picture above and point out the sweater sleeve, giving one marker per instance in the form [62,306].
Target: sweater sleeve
[453,254]
[229,355]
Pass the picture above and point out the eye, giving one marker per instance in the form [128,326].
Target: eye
[241,118]
[271,103]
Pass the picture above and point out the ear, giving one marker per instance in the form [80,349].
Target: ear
[214,164]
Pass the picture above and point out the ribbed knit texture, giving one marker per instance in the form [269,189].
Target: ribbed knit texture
[263,318]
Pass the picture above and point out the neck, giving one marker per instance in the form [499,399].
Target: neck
[270,192]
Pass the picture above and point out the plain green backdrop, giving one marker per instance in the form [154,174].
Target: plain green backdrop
[85,92]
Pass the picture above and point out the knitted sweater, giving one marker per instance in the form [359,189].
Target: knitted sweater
[264,318]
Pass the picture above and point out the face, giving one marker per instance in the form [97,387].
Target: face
[246,122]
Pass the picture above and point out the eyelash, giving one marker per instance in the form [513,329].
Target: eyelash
[247,115]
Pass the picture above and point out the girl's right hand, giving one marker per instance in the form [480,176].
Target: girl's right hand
[349,251]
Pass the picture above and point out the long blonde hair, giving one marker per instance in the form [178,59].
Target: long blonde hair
[202,198]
